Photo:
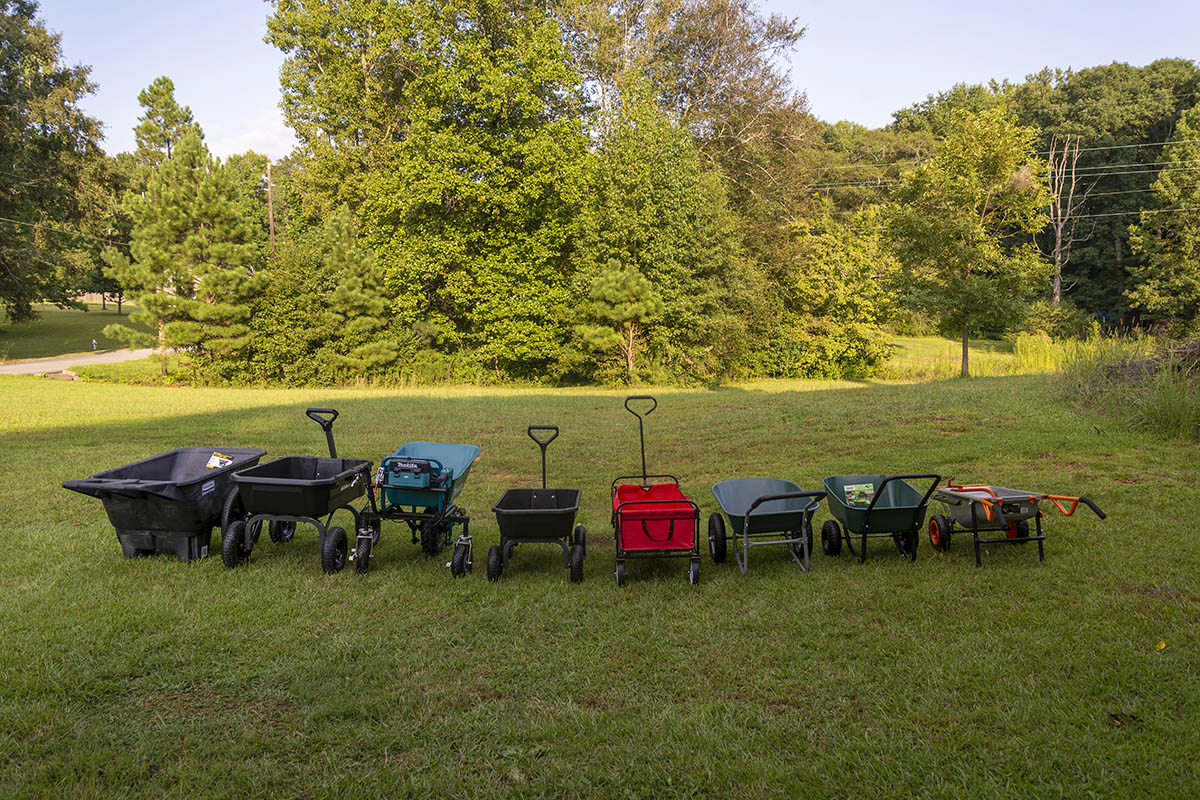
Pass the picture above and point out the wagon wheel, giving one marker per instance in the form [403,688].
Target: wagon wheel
[620,573]
[716,537]
[459,561]
[694,571]
[939,532]
[233,544]
[495,563]
[576,566]
[431,538]
[333,550]
[580,538]
[831,538]
[1017,530]
[233,509]
[280,531]
[362,554]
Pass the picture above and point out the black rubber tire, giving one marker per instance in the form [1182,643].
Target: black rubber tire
[458,561]
[912,543]
[939,532]
[232,508]
[808,538]
[717,543]
[620,572]
[233,548]
[1022,530]
[494,564]
[333,550]
[575,557]
[431,539]
[280,531]
[831,538]
[580,538]
[362,557]
[694,572]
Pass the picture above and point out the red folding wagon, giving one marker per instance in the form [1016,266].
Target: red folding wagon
[654,518]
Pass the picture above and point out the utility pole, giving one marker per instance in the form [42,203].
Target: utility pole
[270,208]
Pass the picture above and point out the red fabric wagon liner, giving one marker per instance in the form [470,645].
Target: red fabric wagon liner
[648,524]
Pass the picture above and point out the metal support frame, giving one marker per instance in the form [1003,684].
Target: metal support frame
[896,536]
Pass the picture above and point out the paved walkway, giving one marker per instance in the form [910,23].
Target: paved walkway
[61,363]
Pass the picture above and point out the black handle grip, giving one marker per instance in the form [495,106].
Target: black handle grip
[766,498]
[540,442]
[640,397]
[912,476]
[1093,507]
[313,414]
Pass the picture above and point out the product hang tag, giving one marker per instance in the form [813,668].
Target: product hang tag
[218,461]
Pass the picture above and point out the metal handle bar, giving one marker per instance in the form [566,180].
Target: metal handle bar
[327,424]
[640,397]
[1074,501]
[766,498]
[914,476]
[543,444]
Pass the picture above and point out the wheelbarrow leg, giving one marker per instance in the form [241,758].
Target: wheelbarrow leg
[975,536]
[862,556]
[1038,520]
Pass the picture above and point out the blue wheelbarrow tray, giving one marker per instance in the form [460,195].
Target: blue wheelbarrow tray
[893,510]
[737,495]
[457,458]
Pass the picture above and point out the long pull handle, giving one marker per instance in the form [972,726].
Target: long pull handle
[641,427]
[543,443]
[327,424]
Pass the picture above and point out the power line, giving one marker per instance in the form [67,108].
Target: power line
[65,233]
[1039,153]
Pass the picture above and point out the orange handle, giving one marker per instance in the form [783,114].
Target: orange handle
[1054,498]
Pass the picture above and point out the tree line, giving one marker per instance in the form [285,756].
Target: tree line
[575,191]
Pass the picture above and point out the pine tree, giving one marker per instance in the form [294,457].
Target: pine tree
[357,305]
[190,265]
[164,123]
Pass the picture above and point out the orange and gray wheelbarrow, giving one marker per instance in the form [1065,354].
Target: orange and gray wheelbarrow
[983,508]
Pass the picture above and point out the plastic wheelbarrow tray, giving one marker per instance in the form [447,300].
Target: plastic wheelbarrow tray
[169,502]
[759,509]
[542,515]
[875,506]
[981,507]
[418,485]
[653,518]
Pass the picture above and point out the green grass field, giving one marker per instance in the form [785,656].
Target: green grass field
[149,677]
[61,332]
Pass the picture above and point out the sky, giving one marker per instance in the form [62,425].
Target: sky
[859,61]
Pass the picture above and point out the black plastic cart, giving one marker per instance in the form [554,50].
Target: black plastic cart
[291,490]
[541,515]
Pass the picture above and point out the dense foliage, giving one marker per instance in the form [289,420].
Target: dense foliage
[579,191]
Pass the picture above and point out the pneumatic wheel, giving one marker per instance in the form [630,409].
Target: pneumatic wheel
[333,551]
[233,544]
[232,508]
[576,565]
[362,555]
[280,531]
[808,536]
[939,532]
[460,561]
[580,538]
[495,563]
[694,571]
[831,538]
[620,573]
[431,539]
[716,537]
[1017,530]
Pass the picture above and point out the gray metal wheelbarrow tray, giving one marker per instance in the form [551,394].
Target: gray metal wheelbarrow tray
[168,502]
[759,509]
[982,507]
[895,510]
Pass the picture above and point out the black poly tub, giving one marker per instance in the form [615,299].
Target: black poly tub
[168,502]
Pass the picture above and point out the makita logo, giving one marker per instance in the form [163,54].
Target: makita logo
[410,466]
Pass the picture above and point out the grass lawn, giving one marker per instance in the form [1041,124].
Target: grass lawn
[61,332]
[889,679]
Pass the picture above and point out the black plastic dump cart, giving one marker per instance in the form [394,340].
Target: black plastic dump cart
[294,489]
[169,502]
[543,515]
